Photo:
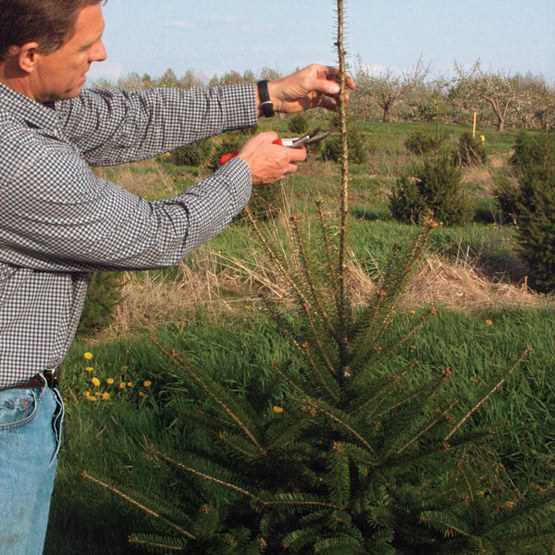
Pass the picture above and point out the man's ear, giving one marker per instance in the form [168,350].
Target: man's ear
[27,55]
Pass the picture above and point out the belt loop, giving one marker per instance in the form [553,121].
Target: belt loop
[57,423]
[44,387]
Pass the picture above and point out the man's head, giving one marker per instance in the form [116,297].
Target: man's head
[47,46]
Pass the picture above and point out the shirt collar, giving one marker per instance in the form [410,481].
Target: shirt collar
[22,107]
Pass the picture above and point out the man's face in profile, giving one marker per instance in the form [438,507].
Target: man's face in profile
[62,73]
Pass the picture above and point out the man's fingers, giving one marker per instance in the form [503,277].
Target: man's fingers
[297,154]
[269,136]
[328,102]
[292,168]
[332,74]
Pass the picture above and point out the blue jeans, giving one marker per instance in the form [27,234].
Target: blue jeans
[30,434]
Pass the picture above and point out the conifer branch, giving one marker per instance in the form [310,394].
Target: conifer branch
[325,377]
[382,312]
[318,405]
[419,393]
[430,426]
[305,267]
[491,392]
[203,475]
[131,501]
[301,297]
[329,255]
[299,503]
[136,540]
[176,358]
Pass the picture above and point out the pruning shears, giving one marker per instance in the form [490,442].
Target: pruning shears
[311,138]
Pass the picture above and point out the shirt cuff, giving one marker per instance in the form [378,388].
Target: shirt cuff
[237,175]
[239,103]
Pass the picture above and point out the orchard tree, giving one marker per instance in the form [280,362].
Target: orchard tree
[270,74]
[504,94]
[388,87]
[168,79]
[131,82]
[190,80]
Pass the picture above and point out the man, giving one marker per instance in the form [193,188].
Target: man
[59,222]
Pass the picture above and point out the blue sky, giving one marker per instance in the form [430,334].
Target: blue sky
[214,36]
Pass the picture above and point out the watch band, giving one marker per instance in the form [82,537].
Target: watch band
[265,103]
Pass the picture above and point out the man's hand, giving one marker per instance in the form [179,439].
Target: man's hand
[311,87]
[268,162]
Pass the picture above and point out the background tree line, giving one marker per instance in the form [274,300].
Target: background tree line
[502,100]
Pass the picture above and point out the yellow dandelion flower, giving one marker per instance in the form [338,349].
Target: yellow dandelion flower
[95,382]
[88,356]
[483,138]
[122,385]
[488,322]
[147,383]
[105,396]
[510,505]
[130,384]
[278,410]
[92,398]
[89,369]
[110,381]
[141,394]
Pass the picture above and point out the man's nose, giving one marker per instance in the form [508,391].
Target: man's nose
[99,53]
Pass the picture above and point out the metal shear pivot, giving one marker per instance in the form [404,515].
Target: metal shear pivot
[311,138]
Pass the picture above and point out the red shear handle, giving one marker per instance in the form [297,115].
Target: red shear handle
[225,158]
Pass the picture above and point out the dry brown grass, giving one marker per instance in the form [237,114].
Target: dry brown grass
[457,286]
[151,300]
[146,179]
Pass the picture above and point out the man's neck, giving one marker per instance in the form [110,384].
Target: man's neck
[15,81]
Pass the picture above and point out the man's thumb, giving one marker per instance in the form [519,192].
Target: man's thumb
[327,87]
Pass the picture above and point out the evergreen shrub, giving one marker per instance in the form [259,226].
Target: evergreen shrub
[103,296]
[422,143]
[194,154]
[470,151]
[507,197]
[434,185]
[298,124]
[534,160]
[331,149]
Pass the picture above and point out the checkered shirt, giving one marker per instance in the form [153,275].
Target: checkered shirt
[59,222]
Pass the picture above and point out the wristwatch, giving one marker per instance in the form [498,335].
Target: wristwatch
[265,103]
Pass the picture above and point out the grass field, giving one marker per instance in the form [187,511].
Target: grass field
[207,307]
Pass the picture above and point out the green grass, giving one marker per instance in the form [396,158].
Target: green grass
[241,349]
[104,437]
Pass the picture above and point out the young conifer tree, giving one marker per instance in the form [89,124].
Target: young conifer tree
[356,460]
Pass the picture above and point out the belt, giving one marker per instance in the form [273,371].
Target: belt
[48,378]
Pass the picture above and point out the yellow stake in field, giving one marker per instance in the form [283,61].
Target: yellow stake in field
[474,120]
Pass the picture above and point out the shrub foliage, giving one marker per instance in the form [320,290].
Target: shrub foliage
[194,154]
[534,160]
[332,149]
[470,151]
[298,124]
[420,143]
[434,185]
[103,296]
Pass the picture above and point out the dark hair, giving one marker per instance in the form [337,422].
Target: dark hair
[48,22]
